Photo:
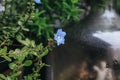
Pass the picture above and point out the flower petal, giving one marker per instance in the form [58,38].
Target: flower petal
[59,37]
[38,1]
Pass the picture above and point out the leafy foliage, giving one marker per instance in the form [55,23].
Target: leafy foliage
[26,32]
[18,58]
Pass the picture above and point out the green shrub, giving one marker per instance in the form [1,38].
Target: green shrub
[26,32]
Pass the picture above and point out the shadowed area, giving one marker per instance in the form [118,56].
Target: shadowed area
[84,44]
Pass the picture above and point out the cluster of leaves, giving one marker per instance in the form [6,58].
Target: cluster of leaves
[18,59]
[26,29]
[64,10]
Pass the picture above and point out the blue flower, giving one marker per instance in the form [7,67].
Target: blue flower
[2,8]
[38,1]
[59,37]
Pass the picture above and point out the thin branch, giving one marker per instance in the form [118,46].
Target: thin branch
[4,42]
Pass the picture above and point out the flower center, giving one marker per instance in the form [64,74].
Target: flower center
[59,38]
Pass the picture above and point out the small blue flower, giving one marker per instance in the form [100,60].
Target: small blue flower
[59,37]
[2,8]
[38,1]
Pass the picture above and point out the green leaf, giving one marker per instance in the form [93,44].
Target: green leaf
[44,53]
[25,29]
[74,1]
[12,66]
[34,53]
[2,77]
[20,23]
[27,63]
[21,57]
[27,41]
[4,50]
[7,58]
[40,46]
[33,43]
[8,78]
[24,42]
[17,74]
